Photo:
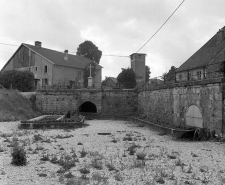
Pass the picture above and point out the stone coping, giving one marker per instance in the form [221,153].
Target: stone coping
[184,84]
[174,132]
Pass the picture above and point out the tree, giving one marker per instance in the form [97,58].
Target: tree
[170,75]
[147,73]
[89,50]
[126,78]
[21,80]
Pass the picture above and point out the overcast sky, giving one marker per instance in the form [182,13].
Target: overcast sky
[116,27]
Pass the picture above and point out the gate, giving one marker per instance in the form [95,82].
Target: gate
[194,117]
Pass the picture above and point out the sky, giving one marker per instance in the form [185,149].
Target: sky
[116,27]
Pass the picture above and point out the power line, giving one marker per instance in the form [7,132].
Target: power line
[161,26]
[114,56]
[8,44]
[5,52]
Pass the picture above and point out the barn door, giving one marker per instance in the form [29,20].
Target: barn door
[194,117]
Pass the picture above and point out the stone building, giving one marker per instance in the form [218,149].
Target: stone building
[207,62]
[110,83]
[138,65]
[52,68]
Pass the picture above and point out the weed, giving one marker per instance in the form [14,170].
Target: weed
[138,164]
[152,156]
[193,154]
[141,156]
[128,138]
[110,166]
[141,125]
[171,156]
[1,149]
[45,157]
[83,153]
[160,180]
[18,154]
[66,161]
[190,169]
[77,181]
[114,140]
[84,170]
[178,162]
[42,175]
[38,137]
[97,164]
[118,177]
[203,169]
[54,159]
[39,147]
[99,178]
[131,149]
[68,175]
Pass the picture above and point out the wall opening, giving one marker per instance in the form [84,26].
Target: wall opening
[194,117]
[88,107]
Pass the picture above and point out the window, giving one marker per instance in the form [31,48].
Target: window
[45,69]
[180,77]
[189,76]
[45,81]
[199,75]
[79,74]
[35,68]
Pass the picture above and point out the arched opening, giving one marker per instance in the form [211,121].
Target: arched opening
[88,107]
[194,117]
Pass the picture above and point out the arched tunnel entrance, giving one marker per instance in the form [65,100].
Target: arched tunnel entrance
[88,107]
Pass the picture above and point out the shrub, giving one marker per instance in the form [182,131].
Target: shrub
[18,154]
[21,80]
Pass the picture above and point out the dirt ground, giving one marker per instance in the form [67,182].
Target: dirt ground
[108,152]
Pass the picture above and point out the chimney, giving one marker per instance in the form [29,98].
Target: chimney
[220,35]
[66,55]
[38,44]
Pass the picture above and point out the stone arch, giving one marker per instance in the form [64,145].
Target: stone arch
[194,116]
[88,106]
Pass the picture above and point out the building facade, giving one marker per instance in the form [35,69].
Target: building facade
[207,62]
[52,68]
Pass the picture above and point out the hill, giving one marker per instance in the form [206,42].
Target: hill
[14,106]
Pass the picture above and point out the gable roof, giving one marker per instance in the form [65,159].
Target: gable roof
[113,79]
[57,58]
[209,53]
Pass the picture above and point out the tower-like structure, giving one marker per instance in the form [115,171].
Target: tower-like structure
[138,65]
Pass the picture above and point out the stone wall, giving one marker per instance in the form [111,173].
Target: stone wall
[208,98]
[169,105]
[122,102]
[107,102]
[157,106]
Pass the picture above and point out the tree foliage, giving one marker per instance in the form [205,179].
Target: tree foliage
[89,50]
[21,80]
[147,73]
[126,78]
[169,76]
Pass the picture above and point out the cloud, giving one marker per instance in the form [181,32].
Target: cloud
[115,27]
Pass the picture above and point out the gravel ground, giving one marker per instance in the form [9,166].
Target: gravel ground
[128,155]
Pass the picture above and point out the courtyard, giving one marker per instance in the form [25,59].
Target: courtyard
[108,152]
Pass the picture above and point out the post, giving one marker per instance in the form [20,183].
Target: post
[90,79]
